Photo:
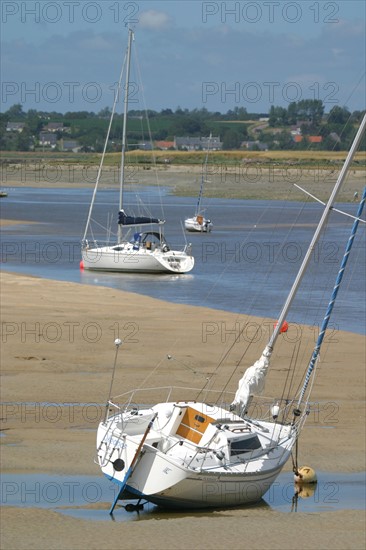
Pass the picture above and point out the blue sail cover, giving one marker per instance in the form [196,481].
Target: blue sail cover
[123,219]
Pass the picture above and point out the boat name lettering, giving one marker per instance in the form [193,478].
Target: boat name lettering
[116,442]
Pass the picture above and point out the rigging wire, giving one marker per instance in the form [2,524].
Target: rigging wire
[313,282]
[116,98]
[214,286]
[153,155]
[255,297]
[315,354]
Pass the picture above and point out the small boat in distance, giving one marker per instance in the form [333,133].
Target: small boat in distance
[226,450]
[198,222]
[147,251]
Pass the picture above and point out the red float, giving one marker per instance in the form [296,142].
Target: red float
[284,327]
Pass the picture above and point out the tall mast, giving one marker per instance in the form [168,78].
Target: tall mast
[328,207]
[204,177]
[124,132]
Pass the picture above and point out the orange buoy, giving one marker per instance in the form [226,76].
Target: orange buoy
[82,265]
[284,327]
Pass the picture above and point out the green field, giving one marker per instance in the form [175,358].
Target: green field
[230,158]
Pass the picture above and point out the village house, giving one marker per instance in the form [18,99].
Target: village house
[15,127]
[47,139]
[54,127]
[70,145]
[295,130]
[197,143]
[310,139]
[164,145]
[254,145]
[145,146]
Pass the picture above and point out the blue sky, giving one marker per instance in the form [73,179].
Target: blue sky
[65,55]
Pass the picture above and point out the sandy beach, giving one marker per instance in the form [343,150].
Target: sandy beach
[242,180]
[57,355]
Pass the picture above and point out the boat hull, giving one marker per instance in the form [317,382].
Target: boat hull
[126,259]
[196,225]
[163,465]
[211,491]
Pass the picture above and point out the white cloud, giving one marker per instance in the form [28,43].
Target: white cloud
[325,66]
[154,20]
[96,43]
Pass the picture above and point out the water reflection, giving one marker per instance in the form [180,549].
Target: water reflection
[90,497]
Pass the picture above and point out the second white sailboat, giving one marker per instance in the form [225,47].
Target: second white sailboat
[146,251]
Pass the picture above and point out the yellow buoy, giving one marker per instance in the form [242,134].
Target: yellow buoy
[305,475]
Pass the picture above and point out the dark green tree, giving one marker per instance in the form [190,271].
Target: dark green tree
[16,113]
[23,140]
[339,115]
[231,140]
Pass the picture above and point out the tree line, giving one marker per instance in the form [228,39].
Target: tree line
[275,129]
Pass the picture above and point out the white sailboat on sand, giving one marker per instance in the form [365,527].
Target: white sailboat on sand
[192,454]
[147,251]
[198,223]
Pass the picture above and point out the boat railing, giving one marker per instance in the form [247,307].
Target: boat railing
[110,434]
[261,408]
[281,410]
[188,249]
[142,398]
[244,461]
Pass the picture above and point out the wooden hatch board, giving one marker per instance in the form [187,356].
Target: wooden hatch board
[193,425]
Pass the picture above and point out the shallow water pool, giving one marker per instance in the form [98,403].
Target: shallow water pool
[90,497]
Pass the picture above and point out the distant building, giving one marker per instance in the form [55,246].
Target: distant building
[70,145]
[311,139]
[47,139]
[197,143]
[164,145]
[54,127]
[254,145]
[15,127]
[295,130]
[145,146]
[188,143]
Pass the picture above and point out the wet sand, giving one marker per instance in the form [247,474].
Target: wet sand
[258,530]
[275,180]
[57,355]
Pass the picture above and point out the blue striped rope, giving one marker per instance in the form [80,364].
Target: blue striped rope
[333,298]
